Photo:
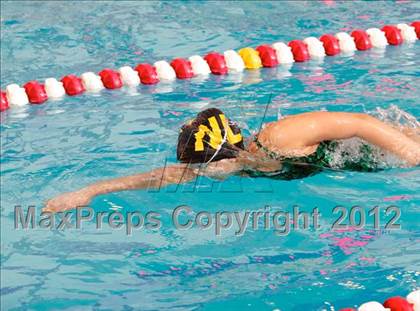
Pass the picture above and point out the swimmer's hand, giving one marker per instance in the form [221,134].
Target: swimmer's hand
[68,201]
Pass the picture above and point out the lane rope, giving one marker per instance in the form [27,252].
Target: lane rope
[396,303]
[279,53]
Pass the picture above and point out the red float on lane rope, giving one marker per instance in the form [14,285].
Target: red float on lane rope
[416,26]
[393,34]
[147,74]
[362,40]
[111,79]
[182,68]
[331,45]
[73,85]
[299,50]
[268,55]
[4,103]
[36,92]
[216,63]
[398,304]
[347,309]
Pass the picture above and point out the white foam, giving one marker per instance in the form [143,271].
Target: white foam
[283,52]
[352,150]
[396,116]
[164,70]
[16,95]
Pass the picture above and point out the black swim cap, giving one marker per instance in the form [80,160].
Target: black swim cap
[209,137]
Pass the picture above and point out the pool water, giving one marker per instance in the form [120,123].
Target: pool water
[63,145]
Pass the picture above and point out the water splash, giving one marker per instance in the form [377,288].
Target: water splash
[396,117]
[351,150]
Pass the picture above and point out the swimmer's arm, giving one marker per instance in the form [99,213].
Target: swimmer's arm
[157,178]
[339,125]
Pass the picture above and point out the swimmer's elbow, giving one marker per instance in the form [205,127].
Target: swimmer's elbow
[177,174]
[365,119]
[223,168]
[364,124]
[362,116]
[414,160]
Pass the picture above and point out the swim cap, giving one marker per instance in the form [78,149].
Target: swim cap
[209,137]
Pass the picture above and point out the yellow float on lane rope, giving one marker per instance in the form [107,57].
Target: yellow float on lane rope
[251,58]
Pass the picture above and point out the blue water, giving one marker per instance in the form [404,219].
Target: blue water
[61,146]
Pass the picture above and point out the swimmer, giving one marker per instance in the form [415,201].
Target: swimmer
[293,147]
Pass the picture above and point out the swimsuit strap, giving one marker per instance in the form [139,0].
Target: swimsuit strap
[268,152]
[317,158]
